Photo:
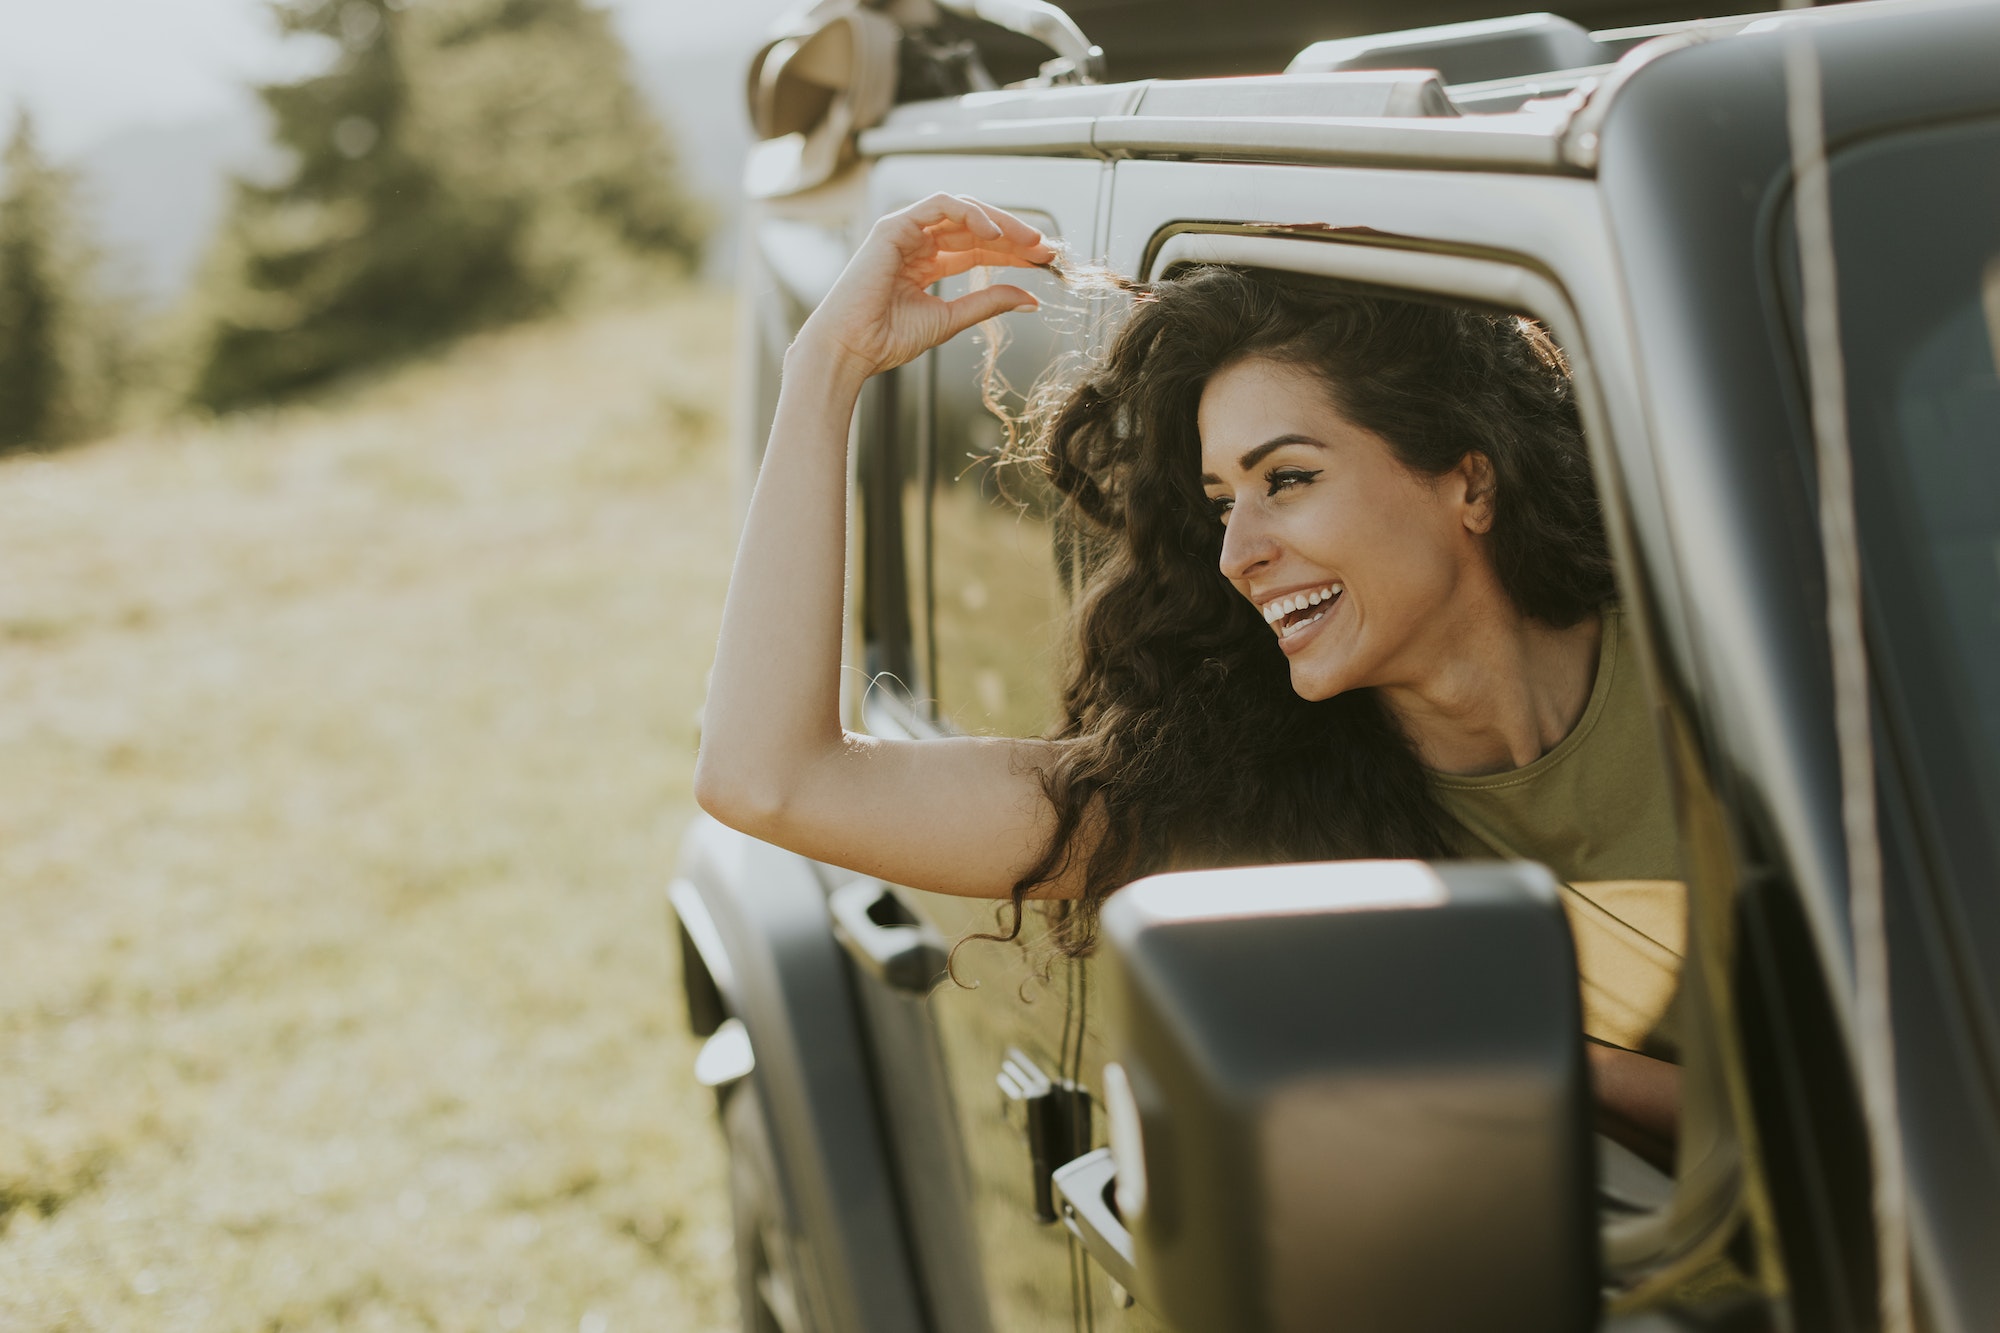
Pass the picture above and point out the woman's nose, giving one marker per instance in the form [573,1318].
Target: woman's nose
[1246,546]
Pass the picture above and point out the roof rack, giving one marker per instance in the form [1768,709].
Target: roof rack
[1496,65]
[1077,58]
[1477,52]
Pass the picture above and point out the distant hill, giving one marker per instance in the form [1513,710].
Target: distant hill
[156,192]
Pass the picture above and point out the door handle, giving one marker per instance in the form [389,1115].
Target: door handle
[885,937]
[1051,1116]
[1084,1188]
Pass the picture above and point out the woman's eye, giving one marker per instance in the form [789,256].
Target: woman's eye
[1286,477]
[1219,506]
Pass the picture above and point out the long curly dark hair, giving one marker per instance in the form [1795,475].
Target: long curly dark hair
[1182,741]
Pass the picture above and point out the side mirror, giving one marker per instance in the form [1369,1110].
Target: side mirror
[1345,1095]
[827,74]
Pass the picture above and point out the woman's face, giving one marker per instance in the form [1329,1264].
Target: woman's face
[1358,564]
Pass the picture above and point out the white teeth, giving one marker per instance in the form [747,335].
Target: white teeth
[1287,631]
[1275,611]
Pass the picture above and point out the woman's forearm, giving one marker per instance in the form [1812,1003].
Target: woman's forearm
[960,815]
[773,703]
[1638,1100]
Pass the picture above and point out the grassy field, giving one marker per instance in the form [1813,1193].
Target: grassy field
[345,751]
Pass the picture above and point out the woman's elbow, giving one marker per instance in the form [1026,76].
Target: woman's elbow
[746,800]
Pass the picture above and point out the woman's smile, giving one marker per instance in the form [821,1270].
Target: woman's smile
[1295,616]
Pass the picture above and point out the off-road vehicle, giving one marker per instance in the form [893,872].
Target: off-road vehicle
[1351,1097]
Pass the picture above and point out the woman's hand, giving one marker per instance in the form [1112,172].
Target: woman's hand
[881,313]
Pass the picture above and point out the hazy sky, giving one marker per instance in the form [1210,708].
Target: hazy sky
[87,68]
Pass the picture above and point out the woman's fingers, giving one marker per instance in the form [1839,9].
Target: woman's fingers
[977,217]
[954,222]
[982,305]
[951,263]
[1034,247]
[985,251]
[980,249]
[1019,232]
[882,312]
[952,208]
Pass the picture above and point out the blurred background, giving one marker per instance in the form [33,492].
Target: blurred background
[364,372]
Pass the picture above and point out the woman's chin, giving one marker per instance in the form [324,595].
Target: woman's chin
[1316,681]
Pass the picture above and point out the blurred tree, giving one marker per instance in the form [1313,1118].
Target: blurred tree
[57,366]
[463,161]
[365,251]
[534,101]
[30,370]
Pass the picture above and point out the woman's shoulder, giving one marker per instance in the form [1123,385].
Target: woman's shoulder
[1597,807]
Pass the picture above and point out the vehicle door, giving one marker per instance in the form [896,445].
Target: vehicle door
[1416,233]
[958,619]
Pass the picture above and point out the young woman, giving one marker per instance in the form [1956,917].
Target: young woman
[1352,598]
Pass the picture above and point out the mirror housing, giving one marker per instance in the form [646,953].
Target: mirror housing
[828,73]
[1361,1099]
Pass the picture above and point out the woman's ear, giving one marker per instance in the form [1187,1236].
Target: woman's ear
[1475,471]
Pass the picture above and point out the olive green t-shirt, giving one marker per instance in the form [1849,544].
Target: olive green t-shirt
[1598,812]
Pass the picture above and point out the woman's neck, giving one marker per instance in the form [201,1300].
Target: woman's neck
[1505,692]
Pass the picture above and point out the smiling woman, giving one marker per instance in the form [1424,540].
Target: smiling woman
[1359,603]
[1253,442]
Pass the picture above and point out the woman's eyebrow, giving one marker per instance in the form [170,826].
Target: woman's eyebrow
[1261,452]
[1271,446]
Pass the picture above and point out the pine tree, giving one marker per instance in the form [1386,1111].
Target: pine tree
[464,161]
[64,347]
[534,99]
[365,251]
[32,391]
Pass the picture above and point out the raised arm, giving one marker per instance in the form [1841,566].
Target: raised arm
[958,815]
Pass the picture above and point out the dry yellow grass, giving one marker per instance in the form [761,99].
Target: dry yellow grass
[345,750]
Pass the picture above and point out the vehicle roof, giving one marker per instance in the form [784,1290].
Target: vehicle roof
[1338,102]
[1292,118]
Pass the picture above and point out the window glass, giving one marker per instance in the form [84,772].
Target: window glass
[1917,249]
[996,600]
[882,597]
[909,422]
